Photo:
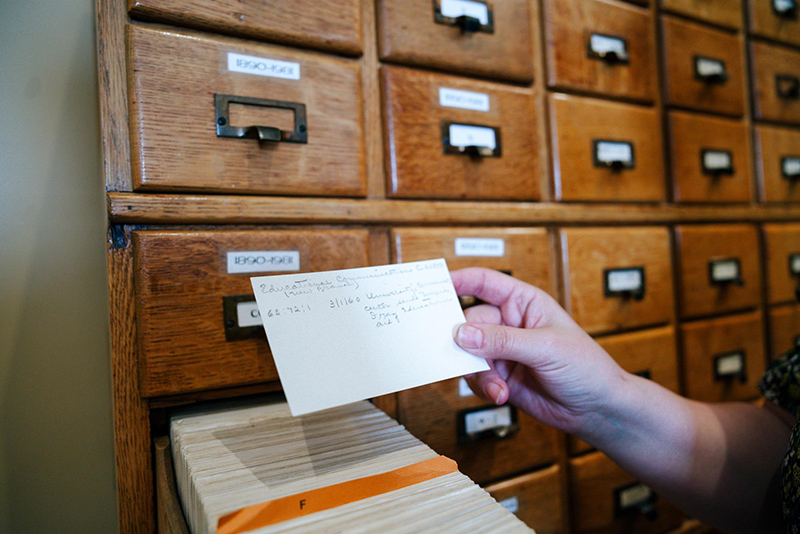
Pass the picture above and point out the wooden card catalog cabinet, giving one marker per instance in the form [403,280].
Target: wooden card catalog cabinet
[224,116]
[776,83]
[455,138]
[476,37]
[723,358]
[198,326]
[782,243]
[719,269]
[601,47]
[703,68]
[536,498]
[784,329]
[775,19]
[334,26]
[726,13]
[778,163]
[617,278]
[606,151]
[710,158]
[488,442]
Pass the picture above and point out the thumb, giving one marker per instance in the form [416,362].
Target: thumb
[498,342]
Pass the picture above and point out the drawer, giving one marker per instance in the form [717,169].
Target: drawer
[782,243]
[704,68]
[723,358]
[775,19]
[617,278]
[778,163]
[606,151]
[476,37]
[784,329]
[536,498]
[334,26]
[726,13]
[719,269]
[600,47]
[524,253]
[710,159]
[488,442]
[606,499]
[776,83]
[198,327]
[649,353]
[274,135]
[455,138]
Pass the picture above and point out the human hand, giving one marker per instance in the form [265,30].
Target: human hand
[541,360]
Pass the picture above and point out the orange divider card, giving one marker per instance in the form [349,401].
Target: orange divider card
[309,502]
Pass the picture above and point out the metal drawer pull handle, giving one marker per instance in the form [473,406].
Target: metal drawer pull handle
[262,133]
[241,317]
[794,271]
[730,365]
[612,50]
[785,9]
[787,86]
[725,271]
[635,498]
[470,16]
[717,162]
[710,70]
[615,155]
[790,167]
[494,422]
[473,140]
[627,282]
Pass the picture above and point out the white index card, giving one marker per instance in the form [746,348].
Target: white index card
[342,336]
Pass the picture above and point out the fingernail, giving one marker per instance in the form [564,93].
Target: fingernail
[493,391]
[469,337]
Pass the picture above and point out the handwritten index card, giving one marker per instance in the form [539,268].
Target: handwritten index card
[342,336]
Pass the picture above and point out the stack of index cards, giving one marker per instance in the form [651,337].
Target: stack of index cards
[255,468]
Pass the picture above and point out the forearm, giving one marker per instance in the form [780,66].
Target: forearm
[716,461]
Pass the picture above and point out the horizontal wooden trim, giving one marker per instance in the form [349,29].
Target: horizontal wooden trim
[136,208]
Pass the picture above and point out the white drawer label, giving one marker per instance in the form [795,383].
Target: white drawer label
[479,246]
[717,160]
[247,314]
[634,496]
[265,261]
[604,44]
[260,66]
[477,422]
[462,135]
[730,364]
[709,67]
[791,167]
[511,504]
[725,270]
[463,388]
[456,98]
[624,280]
[457,8]
[610,151]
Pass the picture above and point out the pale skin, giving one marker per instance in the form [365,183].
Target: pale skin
[719,462]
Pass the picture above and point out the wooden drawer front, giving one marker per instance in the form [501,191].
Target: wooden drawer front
[776,83]
[719,269]
[778,163]
[536,498]
[606,499]
[422,138]
[726,13]
[600,263]
[575,27]
[710,159]
[495,40]
[308,23]
[704,68]
[187,297]
[524,253]
[784,330]
[775,19]
[444,416]
[649,353]
[723,358]
[782,243]
[174,78]
[606,151]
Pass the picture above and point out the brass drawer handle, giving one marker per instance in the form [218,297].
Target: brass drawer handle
[725,271]
[730,365]
[469,15]
[787,86]
[710,70]
[262,133]
[627,282]
[785,9]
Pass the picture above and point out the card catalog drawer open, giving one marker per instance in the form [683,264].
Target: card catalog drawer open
[334,26]
[536,498]
[198,325]
[455,138]
[233,117]
[776,83]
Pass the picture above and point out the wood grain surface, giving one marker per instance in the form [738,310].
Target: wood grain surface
[691,133]
[334,26]
[538,496]
[173,79]
[585,255]
[682,41]
[764,22]
[767,61]
[726,13]
[568,26]
[784,329]
[408,34]
[168,502]
[781,241]
[577,122]
[772,144]
[416,165]
[696,246]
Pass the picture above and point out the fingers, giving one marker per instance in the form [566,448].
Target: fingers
[496,342]
[483,313]
[489,386]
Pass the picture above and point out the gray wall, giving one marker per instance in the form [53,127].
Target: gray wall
[56,447]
